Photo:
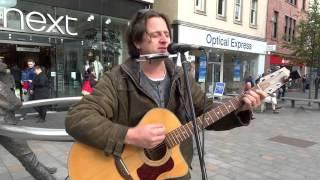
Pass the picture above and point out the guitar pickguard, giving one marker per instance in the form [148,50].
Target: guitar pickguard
[146,172]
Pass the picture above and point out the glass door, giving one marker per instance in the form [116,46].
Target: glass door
[214,73]
[69,64]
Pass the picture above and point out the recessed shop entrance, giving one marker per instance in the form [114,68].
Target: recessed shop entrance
[61,58]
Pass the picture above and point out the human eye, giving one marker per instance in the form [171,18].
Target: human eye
[166,34]
[155,34]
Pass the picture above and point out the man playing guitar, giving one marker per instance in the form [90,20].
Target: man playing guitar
[109,119]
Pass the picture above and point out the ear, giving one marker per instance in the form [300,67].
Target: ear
[137,45]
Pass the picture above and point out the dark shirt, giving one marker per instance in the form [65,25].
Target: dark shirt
[158,90]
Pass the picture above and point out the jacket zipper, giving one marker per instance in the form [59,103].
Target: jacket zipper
[170,96]
[138,86]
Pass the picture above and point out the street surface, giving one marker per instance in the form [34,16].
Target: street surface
[282,146]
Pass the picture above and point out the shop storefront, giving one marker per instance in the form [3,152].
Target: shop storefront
[231,59]
[64,41]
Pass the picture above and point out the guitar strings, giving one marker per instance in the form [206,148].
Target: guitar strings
[156,148]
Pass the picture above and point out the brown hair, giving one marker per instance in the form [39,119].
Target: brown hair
[137,28]
[39,67]
[30,60]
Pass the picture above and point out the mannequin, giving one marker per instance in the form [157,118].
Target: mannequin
[87,65]
[97,68]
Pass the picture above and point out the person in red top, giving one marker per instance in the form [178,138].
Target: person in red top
[89,82]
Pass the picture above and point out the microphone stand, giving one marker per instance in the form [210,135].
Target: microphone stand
[186,65]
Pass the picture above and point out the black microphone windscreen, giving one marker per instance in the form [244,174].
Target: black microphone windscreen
[172,49]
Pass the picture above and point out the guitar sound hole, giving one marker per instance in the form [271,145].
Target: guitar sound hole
[156,153]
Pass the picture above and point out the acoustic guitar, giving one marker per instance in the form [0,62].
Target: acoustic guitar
[164,161]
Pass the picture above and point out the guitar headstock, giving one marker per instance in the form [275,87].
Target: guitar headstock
[274,81]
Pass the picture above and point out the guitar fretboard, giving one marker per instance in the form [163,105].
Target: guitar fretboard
[183,132]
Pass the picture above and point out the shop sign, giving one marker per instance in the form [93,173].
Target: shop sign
[200,37]
[28,49]
[37,21]
[271,48]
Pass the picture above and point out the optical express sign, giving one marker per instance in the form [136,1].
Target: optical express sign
[219,40]
[39,22]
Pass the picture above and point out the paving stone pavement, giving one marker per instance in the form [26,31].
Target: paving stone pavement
[246,153]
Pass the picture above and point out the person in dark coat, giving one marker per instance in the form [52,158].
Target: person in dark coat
[40,90]
[108,119]
[19,148]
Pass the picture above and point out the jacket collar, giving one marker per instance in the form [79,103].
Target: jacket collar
[132,67]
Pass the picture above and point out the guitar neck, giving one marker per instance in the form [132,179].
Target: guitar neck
[182,133]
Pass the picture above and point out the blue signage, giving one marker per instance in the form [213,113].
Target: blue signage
[236,70]
[202,68]
[219,89]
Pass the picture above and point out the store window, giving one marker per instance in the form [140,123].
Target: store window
[237,67]
[66,42]
[113,33]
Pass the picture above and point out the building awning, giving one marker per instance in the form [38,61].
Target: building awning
[278,60]
[284,61]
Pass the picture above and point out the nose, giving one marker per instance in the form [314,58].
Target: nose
[164,38]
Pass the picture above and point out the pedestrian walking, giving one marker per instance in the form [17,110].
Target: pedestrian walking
[40,90]
[26,79]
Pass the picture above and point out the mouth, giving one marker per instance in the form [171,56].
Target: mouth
[162,49]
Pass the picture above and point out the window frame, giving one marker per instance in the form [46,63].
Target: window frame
[222,16]
[289,29]
[237,6]
[294,22]
[303,7]
[292,2]
[275,20]
[253,12]
[200,8]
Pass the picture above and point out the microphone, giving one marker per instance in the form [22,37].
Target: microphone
[174,48]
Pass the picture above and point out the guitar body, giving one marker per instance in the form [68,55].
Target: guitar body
[88,163]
